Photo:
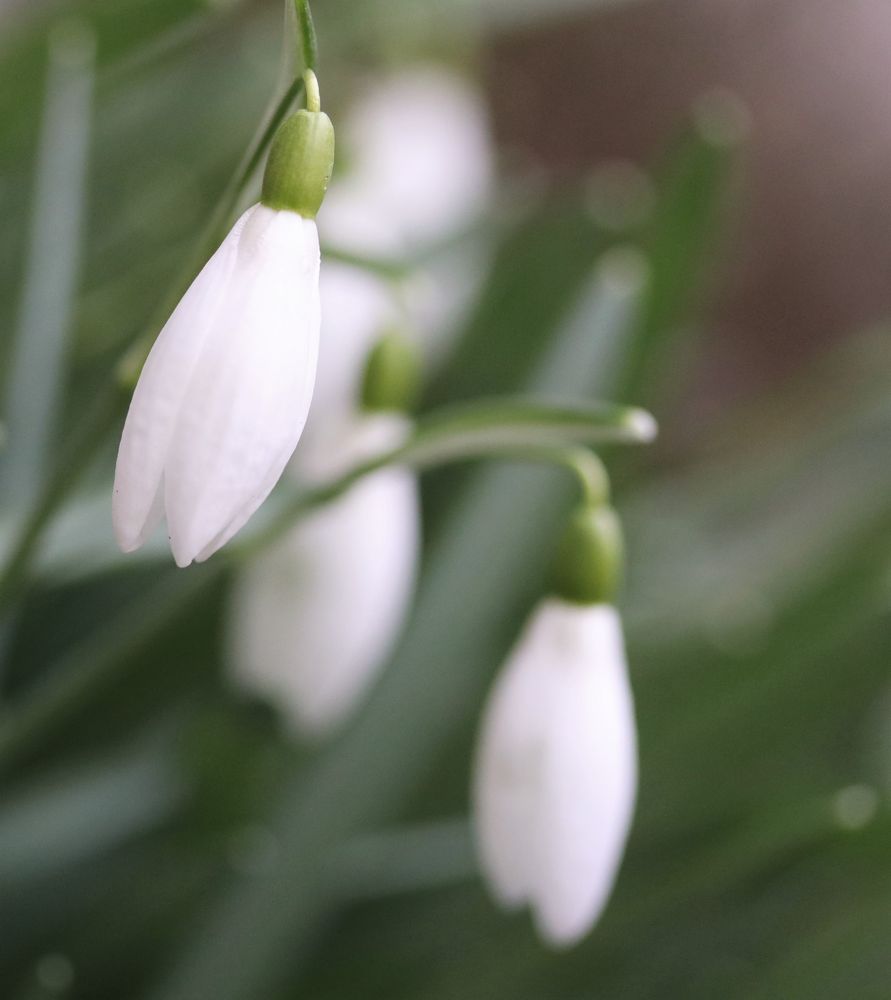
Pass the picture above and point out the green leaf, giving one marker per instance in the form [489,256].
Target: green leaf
[77,813]
[308,42]
[35,380]
[679,245]
[540,268]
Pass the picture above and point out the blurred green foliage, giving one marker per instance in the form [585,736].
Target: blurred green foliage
[159,838]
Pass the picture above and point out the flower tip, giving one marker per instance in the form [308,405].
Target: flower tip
[126,545]
[128,538]
[558,934]
[511,898]
[183,555]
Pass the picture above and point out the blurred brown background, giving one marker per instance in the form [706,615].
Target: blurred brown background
[808,248]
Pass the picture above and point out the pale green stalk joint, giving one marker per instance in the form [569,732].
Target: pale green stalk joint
[392,378]
[311,86]
[590,557]
[300,163]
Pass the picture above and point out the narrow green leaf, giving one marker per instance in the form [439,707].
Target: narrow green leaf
[35,380]
[74,814]
[308,42]
[540,267]
[406,859]
[679,245]
[88,668]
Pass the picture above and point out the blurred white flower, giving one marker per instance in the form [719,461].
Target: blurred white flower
[224,394]
[419,162]
[420,168]
[314,619]
[356,307]
[556,769]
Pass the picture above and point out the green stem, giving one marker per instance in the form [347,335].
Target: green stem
[517,430]
[313,97]
[590,472]
[584,464]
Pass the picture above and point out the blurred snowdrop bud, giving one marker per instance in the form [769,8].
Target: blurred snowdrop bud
[420,170]
[419,147]
[224,394]
[315,618]
[356,306]
[556,770]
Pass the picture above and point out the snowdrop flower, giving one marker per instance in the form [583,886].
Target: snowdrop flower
[421,155]
[420,149]
[356,306]
[556,768]
[224,394]
[314,619]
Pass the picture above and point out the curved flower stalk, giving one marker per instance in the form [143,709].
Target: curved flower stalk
[224,394]
[314,619]
[556,770]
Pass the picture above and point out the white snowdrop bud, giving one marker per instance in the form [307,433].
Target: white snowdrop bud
[314,619]
[420,169]
[556,769]
[224,394]
[420,162]
[356,307]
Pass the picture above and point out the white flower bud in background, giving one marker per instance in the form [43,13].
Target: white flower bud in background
[555,775]
[556,771]
[419,165]
[224,394]
[356,306]
[315,618]
[420,169]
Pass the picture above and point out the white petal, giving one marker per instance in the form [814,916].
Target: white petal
[137,502]
[590,783]
[316,617]
[509,770]
[556,771]
[248,398]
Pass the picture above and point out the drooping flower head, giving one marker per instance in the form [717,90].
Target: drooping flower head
[314,620]
[225,391]
[556,769]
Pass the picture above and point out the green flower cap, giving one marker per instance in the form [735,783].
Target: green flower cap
[392,378]
[300,164]
[590,556]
